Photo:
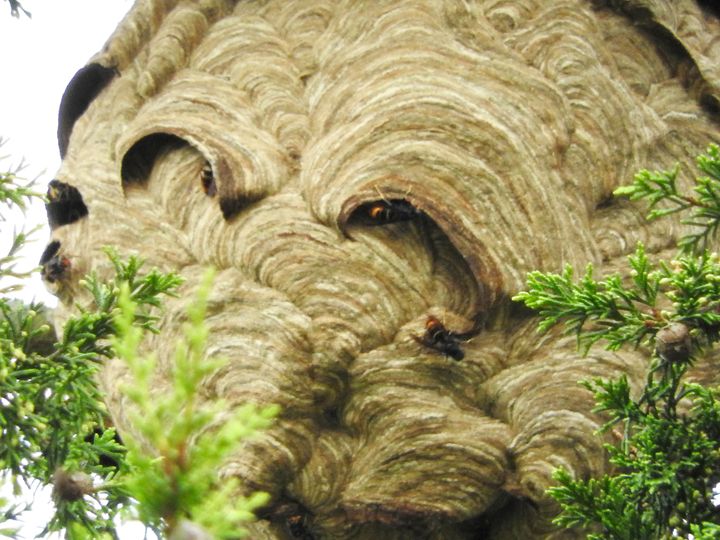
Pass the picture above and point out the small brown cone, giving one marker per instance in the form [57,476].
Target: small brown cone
[673,342]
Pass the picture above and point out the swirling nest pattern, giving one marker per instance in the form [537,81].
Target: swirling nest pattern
[506,123]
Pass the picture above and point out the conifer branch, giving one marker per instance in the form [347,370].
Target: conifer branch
[668,460]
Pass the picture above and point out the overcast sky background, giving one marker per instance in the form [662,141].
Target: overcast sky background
[38,57]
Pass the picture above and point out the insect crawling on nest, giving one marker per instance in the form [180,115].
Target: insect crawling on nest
[441,339]
[296,518]
[384,212]
[207,180]
[54,266]
[297,525]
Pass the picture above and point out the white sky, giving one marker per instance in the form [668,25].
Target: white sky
[38,57]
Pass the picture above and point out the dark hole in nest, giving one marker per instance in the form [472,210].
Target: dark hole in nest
[85,85]
[710,6]
[231,206]
[606,202]
[50,251]
[65,204]
[710,104]
[139,160]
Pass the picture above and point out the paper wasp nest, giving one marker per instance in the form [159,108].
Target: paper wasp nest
[374,179]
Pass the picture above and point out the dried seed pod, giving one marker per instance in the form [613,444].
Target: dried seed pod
[69,486]
[673,342]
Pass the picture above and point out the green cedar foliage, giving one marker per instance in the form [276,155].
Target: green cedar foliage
[14,194]
[668,461]
[179,487]
[659,189]
[52,418]
[55,430]
[75,434]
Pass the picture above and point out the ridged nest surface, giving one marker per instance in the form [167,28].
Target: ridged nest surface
[361,172]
